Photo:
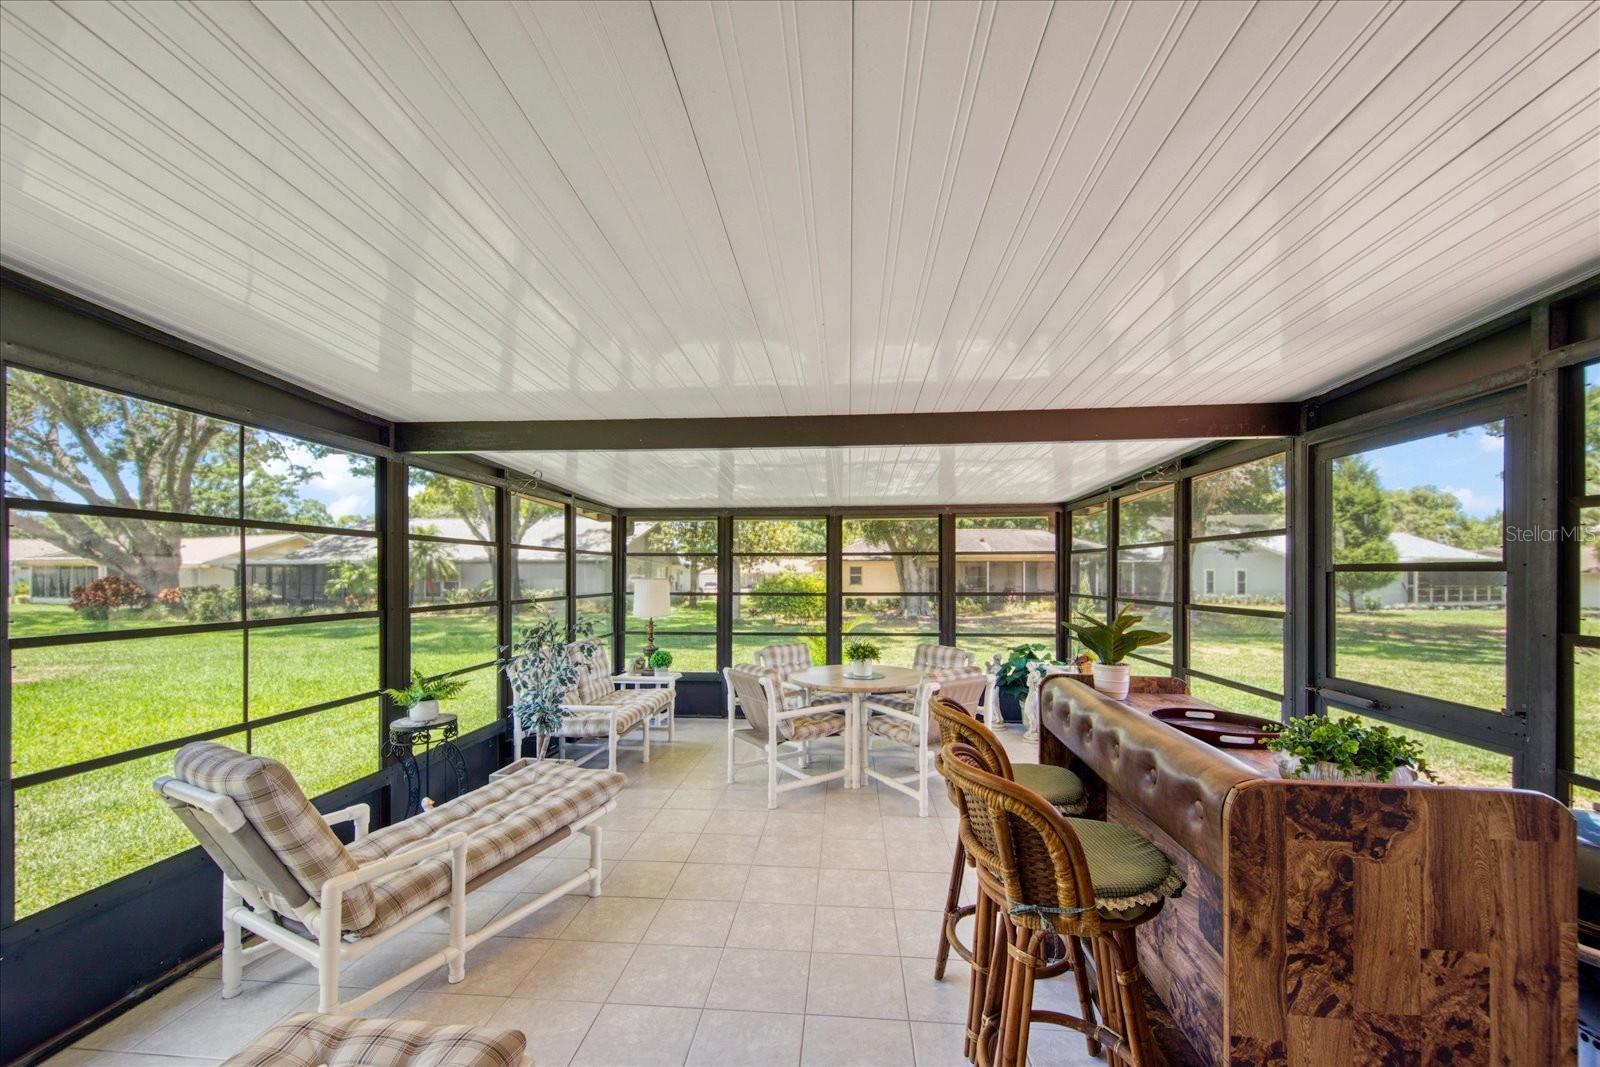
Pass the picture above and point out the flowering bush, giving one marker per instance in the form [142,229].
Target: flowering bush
[170,598]
[96,599]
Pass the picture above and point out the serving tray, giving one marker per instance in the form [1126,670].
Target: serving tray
[1220,729]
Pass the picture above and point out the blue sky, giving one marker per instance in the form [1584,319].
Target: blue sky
[1468,465]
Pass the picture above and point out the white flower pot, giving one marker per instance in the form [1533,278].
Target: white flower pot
[861,668]
[1288,763]
[424,711]
[1112,679]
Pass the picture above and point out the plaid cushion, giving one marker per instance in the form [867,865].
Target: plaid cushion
[271,799]
[786,658]
[901,730]
[594,678]
[339,1041]
[811,727]
[927,657]
[634,706]
[965,687]
[503,818]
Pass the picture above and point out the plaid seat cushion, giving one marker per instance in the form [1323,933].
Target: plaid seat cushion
[272,800]
[813,726]
[634,706]
[502,819]
[901,730]
[966,687]
[594,677]
[309,1039]
[786,658]
[927,657]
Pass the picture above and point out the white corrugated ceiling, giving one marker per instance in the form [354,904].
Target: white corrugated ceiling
[523,211]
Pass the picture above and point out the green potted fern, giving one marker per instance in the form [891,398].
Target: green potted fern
[1111,642]
[421,698]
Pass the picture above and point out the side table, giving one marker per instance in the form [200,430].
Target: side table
[437,734]
[667,680]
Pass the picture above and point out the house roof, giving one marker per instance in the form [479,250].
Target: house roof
[192,551]
[979,542]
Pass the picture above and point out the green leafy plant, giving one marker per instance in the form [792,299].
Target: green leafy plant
[795,596]
[544,666]
[1111,642]
[1354,747]
[660,659]
[424,688]
[860,650]
[1012,677]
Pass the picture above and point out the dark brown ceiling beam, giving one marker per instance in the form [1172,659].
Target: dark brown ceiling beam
[834,431]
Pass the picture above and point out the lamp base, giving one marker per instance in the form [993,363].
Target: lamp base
[648,651]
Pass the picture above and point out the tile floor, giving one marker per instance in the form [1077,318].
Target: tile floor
[727,934]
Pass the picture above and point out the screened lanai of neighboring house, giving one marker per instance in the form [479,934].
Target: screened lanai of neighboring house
[344,344]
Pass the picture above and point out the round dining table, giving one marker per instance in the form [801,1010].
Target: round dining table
[834,678]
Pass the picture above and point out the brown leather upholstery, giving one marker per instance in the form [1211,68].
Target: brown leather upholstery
[1178,782]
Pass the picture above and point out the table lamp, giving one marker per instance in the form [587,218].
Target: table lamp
[652,600]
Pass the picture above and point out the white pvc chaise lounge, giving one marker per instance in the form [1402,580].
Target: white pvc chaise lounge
[602,706]
[289,879]
[313,1040]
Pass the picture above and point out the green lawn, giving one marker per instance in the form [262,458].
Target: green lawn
[75,702]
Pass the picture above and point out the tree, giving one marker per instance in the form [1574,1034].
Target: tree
[76,443]
[354,583]
[1591,437]
[1428,511]
[679,537]
[431,561]
[443,497]
[1362,521]
[903,536]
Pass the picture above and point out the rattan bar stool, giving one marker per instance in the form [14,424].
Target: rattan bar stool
[1040,874]
[1063,789]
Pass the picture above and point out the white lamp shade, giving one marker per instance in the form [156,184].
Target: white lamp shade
[652,599]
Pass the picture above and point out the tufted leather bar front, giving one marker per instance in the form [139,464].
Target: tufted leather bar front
[1178,782]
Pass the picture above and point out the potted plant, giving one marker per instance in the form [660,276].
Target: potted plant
[660,661]
[1111,642]
[1347,750]
[861,653]
[421,698]
[1011,677]
[542,672]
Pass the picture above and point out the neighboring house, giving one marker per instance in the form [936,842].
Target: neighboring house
[988,563]
[52,572]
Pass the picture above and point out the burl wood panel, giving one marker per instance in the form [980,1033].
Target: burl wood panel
[1370,924]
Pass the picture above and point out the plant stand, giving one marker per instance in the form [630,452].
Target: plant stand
[436,735]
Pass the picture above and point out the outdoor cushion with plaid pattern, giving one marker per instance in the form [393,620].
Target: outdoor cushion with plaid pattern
[633,707]
[929,656]
[309,1039]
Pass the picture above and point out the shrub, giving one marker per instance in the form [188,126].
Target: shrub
[96,599]
[221,603]
[772,595]
[171,599]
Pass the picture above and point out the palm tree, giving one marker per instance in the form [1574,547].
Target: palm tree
[431,561]
[354,583]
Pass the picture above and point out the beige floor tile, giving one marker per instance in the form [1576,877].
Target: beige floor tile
[482,906]
[673,976]
[794,824]
[850,824]
[737,823]
[744,1039]
[911,828]
[680,820]
[757,925]
[926,890]
[781,885]
[1056,1046]
[614,843]
[643,798]
[217,1027]
[852,802]
[87,1057]
[691,922]
[919,932]
[611,919]
[434,1007]
[635,1035]
[839,1042]
[710,881]
[575,970]
[627,820]
[760,979]
[723,848]
[865,931]
[778,851]
[132,1026]
[939,1044]
[562,870]
[660,845]
[493,968]
[869,987]
[692,798]
[549,920]
[640,878]
[917,856]
[554,1029]
[853,853]
[840,887]
[942,1001]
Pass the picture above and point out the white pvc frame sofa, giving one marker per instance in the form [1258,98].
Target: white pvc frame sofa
[606,706]
[288,879]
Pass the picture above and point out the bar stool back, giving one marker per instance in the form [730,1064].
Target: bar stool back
[1040,874]
[1057,785]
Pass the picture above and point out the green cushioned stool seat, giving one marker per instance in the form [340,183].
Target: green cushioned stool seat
[1126,870]
[1059,786]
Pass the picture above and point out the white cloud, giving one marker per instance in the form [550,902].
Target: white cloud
[1476,504]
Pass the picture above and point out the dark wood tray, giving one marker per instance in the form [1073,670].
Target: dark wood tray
[1220,729]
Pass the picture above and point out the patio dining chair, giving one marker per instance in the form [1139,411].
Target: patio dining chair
[906,720]
[946,664]
[773,724]
[788,657]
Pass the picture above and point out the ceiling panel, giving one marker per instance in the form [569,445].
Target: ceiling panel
[522,211]
[1030,473]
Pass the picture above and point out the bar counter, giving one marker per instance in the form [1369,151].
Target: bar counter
[1331,922]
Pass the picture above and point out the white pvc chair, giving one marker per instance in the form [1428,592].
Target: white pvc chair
[772,725]
[892,720]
